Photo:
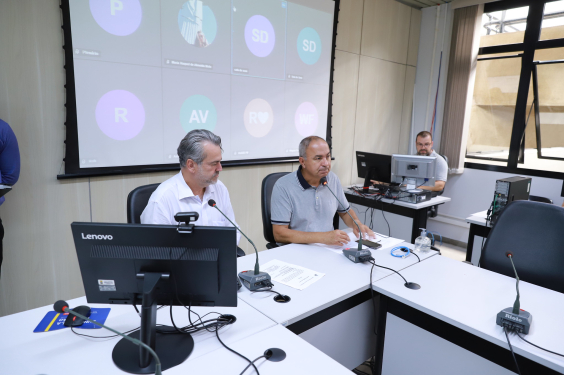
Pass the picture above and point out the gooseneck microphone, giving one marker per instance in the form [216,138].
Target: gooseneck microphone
[355,256]
[515,319]
[63,307]
[324,183]
[252,280]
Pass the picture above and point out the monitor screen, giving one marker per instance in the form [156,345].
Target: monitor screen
[201,265]
[375,167]
[420,168]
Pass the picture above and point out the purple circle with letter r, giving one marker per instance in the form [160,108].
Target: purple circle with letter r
[120,115]
[118,17]
[259,36]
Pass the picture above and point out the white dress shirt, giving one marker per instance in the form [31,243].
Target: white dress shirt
[174,195]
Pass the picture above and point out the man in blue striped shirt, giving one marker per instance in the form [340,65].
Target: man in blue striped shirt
[9,166]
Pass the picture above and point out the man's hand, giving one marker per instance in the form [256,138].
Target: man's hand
[366,232]
[336,237]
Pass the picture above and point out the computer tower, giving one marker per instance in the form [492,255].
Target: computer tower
[508,190]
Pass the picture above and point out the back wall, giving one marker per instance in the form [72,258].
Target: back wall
[373,87]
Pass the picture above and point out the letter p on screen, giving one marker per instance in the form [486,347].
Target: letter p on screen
[115,5]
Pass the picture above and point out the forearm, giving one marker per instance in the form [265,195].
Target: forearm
[286,235]
[439,186]
[347,219]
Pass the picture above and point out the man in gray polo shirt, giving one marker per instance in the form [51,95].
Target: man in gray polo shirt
[424,144]
[302,209]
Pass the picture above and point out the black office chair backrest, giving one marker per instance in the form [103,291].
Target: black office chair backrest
[446,159]
[137,201]
[265,195]
[533,233]
[536,198]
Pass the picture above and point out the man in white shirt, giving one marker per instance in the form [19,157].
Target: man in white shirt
[197,182]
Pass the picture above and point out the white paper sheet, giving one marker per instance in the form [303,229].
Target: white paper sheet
[291,275]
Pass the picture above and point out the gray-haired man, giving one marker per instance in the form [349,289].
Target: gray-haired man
[199,154]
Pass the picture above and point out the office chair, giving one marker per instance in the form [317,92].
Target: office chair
[137,201]
[536,198]
[434,210]
[265,195]
[532,232]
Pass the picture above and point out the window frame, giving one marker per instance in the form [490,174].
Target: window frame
[531,43]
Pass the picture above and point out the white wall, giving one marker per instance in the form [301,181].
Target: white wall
[373,82]
[472,191]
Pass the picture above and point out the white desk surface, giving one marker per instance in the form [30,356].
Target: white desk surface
[62,351]
[342,279]
[479,218]
[469,298]
[431,202]
[301,357]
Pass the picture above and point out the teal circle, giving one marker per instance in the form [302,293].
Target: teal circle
[309,46]
[209,27]
[198,112]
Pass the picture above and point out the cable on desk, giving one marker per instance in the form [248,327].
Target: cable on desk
[546,350]
[419,259]
[388,269]
[512,353]
[268,288]
[239,354]
[373,304]
[102,337]
[249,365]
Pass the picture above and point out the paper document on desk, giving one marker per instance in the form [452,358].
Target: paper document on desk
[291,275]
[339,248]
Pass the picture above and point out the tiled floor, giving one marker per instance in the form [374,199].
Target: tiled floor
[452,251]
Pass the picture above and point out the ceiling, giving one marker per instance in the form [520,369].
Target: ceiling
[419,4]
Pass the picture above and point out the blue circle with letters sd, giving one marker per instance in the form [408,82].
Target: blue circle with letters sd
[309,45]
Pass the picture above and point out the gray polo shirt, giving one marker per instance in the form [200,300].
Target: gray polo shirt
[441,168]
[303,207]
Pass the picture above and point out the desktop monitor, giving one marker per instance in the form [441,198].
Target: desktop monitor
[152,265]
[420,168]
[373,167]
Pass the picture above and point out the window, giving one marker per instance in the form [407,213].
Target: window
[517,126]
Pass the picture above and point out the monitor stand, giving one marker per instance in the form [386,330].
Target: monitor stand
[172,348]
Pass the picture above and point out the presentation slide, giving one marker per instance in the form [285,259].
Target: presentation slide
[146,72]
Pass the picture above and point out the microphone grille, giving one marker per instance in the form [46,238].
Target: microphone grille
[211,202]
[323,181]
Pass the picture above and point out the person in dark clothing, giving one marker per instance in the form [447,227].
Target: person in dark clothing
[9,167]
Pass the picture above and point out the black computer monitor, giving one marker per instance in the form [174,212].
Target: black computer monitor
[373,167]
[156,264]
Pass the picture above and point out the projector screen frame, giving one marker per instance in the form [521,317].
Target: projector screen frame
[71,154]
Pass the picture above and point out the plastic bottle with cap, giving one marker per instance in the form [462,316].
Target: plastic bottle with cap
[422,243]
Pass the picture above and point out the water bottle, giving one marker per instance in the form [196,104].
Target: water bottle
[422,243]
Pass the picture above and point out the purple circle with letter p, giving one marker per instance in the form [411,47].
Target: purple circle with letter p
[259,36]
[118,17]
[120,115]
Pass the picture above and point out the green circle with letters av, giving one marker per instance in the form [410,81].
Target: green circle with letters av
[198,112]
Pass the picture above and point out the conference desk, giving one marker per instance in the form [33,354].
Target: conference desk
[478,227]
[327,309]
[301,357]
[417,212]
[448,326]
[61,351]
[321,314]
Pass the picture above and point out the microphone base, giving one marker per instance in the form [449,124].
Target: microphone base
[254,282]
[514,322]
[172,349]
[357,256]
